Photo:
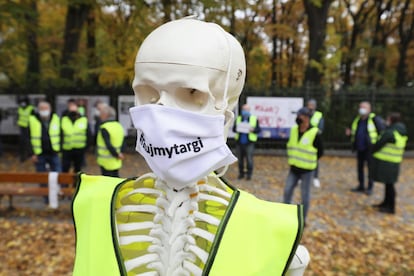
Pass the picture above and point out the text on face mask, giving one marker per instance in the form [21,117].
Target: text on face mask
[193,146]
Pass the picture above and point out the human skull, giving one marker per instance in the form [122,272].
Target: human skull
[191,65]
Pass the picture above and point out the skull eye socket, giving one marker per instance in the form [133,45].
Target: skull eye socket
[191,99]
[146,94]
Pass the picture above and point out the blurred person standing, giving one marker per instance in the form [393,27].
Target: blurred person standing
[364,133]
[247,129]
[318,121]
[96,119]
[70,102]
[24,111]
[388,153]
[44,128]
[304,148]
[109,142]
[75,135]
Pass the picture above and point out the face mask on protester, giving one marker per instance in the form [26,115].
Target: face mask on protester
[73,114]
[245,113]
[298,120]
[44,113]
[363,111]
[180,146]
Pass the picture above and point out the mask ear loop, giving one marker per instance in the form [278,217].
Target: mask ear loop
[229,115]
[224,104]
[229,119]
[222,172]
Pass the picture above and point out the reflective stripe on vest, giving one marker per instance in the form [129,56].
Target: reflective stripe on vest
[249,241]
[393,152]
[302,153]
[372,129]
[253,123]
[36,133]
[23,114]
[74,133]
[316,118]
[116,137]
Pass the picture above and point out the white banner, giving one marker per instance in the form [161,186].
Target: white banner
[276,115]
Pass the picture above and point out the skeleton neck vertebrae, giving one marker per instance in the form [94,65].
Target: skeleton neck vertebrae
[164,231]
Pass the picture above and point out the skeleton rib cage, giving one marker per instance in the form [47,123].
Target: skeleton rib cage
[163,231]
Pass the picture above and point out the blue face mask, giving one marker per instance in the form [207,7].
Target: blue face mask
[245,113]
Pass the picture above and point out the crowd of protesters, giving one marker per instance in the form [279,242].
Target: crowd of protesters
[378,143]
[59,142]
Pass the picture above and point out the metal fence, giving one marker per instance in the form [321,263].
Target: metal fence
[341,107]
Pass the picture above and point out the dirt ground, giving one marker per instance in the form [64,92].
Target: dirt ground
[344,235]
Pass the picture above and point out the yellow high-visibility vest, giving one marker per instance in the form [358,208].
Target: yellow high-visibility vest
[372,130]
[36,133]
[253,123]
[254,237]
[393,152]
[23,114]
[316,118]
[75,133]
[301,152]
[116,134]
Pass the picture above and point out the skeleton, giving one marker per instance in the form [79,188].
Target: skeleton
[198,67]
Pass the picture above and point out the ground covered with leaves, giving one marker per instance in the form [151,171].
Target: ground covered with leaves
[344,234]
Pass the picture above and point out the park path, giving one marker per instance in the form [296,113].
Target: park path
[333,203]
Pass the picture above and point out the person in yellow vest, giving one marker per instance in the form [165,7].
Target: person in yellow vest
[304,148]
[75,138]
[44,131]
[24,111]
[316,120]
[247,129]
[364,133]
[109,142]
[182,218]
[388,153]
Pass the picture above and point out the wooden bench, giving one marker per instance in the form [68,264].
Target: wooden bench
[27,184]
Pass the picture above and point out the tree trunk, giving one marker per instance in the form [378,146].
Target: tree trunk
[360,18]
[406,36]
[349,58]
[317,17]
[273,80]
[75,18]
[93,75]
[167,10]
[33,62]
[401,68]
[376,60]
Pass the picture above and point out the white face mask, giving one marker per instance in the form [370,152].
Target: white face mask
[44,113]
[180,146]
[363,111]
